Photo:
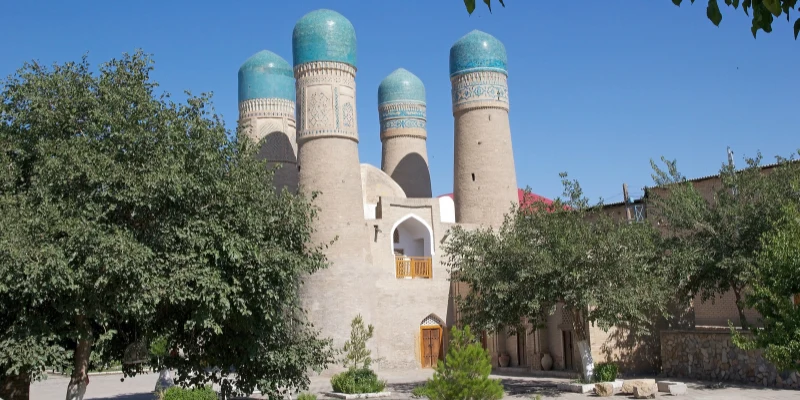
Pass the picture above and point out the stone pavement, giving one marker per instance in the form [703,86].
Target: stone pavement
[400,383]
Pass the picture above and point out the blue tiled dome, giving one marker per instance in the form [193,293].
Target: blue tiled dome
[401,85]
[324,35]
[478,51]
[266,75]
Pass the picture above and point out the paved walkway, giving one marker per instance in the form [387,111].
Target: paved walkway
[400,383]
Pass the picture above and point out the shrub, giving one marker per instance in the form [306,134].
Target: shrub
[353,381]
[605,372]
[464,374]
[358,378]
[307,396]
[179,393]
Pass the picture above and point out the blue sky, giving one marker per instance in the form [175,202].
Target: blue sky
[596,90]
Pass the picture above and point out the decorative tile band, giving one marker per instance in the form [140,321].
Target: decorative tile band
[273,107]
[326,100]
[401,123]
[479,89]
[324,68]
[397,115]
[401,110]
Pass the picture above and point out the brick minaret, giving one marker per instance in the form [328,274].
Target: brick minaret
[324,52]
[266,112]
[401,109]
[485,182]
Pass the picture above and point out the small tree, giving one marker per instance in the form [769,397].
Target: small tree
[719,237]
[356,353]
[574,255]
[465,372]
[775,292]
[358,378]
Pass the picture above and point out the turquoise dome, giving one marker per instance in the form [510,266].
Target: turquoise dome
[401,85]
[478,51]
[266,75]
[324,35]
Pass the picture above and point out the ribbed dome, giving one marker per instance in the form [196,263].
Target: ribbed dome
[324,35]
[478,51]
[401,85]
[266,75]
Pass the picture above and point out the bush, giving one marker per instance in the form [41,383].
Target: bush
[605,372]
[353,381]
[179,393]
[307,396]
[464,374]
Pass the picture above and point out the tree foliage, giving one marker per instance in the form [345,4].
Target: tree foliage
[776,291]
[717,234]
[127,217]
[465,372]
[356,353]
[764,11]
[470,4]
[358,378]
[567,255]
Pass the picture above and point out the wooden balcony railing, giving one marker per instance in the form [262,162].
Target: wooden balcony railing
[414,267]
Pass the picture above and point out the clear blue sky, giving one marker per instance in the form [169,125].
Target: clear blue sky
[596,89]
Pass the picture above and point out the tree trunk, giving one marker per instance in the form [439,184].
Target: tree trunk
[80,373]
[15,387]
[740,307]
[584,349]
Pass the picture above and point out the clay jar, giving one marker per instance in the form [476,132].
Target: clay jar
[547,362]
[504,359]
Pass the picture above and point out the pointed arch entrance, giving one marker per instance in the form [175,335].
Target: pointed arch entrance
[431,330]
[412,246]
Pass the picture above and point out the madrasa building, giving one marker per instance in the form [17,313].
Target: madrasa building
[386,264]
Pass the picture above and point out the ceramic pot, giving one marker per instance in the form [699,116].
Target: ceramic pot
[547,362]
[504,359]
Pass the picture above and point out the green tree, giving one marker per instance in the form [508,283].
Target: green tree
[574,256]
[764,11]
[719,236]
[465,372]
[356,353]
[126,217]
[776,288]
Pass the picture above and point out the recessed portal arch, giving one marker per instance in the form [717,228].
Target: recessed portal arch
[431,330]
[412,232]
[412,245]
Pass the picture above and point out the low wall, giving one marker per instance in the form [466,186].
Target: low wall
[709,354]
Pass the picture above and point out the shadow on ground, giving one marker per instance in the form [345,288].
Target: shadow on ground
[527,388]
[512,387]
[137,396]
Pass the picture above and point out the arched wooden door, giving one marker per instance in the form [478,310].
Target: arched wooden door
[431,342]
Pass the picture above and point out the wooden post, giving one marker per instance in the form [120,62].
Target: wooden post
[627,202]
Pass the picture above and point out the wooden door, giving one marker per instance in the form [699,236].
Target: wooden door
[568,351]
[431,346]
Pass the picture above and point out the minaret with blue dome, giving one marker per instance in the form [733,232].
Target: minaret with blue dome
[402,114]
[324,54]
[485,182]
[267,112]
